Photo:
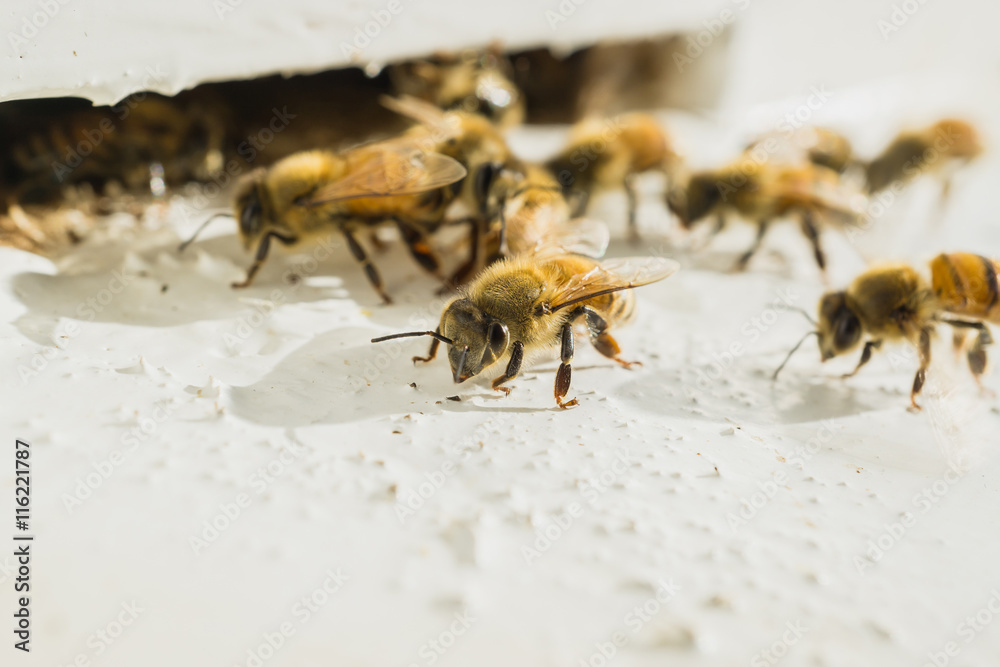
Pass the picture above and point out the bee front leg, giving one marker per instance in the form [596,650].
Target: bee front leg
[513,368]
[866,355]
[741,263]
[370,271]
[565,373]
[925,360]
[811,231]
[602,340]
[265,244]
[431,353]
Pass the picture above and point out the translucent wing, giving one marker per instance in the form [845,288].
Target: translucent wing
[581,236]
[389,169]
[612,276]
[415,109]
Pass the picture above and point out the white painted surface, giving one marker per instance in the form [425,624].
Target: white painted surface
[297,381]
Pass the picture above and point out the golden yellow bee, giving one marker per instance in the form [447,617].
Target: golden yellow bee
[941,148]
[818,145]
[473,81]
[309,194]
[761,192]
[895,303]
[525,305]
[605,154]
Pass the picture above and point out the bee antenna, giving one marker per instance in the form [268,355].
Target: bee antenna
[792,351]
[411,334]
[184,245]
[460,365]
[805,314]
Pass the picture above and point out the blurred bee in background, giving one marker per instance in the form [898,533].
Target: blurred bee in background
[606,154]
[817,145]
[473,81]
[895,303]
[309,194]
[526,210]
[761,193]
[941,148]
[522,306]
[145,143]
[472,141]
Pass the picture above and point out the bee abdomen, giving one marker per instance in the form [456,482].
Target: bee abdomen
[967,284]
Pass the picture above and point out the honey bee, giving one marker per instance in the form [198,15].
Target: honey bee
[818,145]
[941,148]
[895,303]
[312,193]
[606,154]
[477,82]
[761,193]
[524,305]
[144,143]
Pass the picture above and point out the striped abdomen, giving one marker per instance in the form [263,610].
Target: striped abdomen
[967,285]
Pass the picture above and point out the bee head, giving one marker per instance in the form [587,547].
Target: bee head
[478,340]
[839,328]
[693,201]
[249,209]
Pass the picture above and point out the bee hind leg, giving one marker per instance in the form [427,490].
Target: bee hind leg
[811,231]
[602,340]
[420,249]
[370,271]
[564,375]
[741,263]
[633,208]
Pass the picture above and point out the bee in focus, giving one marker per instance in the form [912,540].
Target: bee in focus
[309,194]
[473,81]
[817,145]
[762,192]
[895,303]
[941,148]
[525,305]
[606,154]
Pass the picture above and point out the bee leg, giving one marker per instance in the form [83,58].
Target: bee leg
[565,373]
[717,226]
[741,263]
[633,207]
[977,356]
[416,242]
[373,275]
[925,359]
[431,353]
[262,248]
[513,368]
[866,355]
[602,340]
[463,272]
[811,231]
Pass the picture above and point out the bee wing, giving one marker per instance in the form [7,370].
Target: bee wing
[581,236]
[397,168]
[612,276]
[414,108]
